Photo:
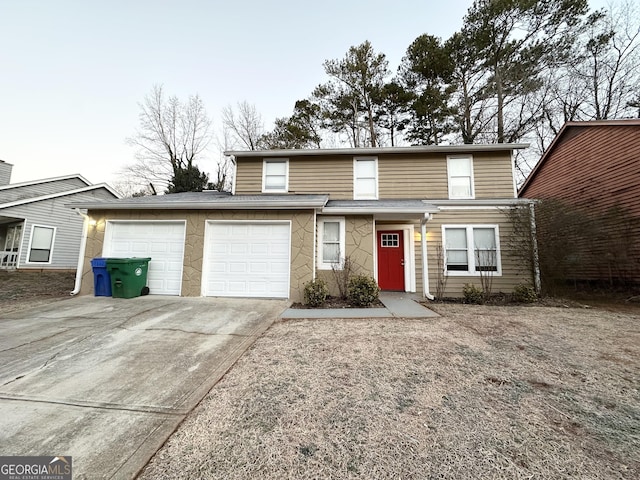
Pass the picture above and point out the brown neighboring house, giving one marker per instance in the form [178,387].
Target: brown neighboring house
[295,215]
[595,167]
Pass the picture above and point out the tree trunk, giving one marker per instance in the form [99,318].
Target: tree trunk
[500,98]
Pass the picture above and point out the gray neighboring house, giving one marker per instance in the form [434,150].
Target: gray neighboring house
[37,230]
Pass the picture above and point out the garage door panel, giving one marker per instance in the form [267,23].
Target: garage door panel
[238,249]
[159,248]
[162,242]
[174,267]
[280,267]
[236,267]
[247,260]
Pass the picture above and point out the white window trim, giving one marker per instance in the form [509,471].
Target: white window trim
[53,242]
[356,196]
[473,190]
[264,175]
[471,258]
[322,265]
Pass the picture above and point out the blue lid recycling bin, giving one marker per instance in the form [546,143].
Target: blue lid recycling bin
[101,278]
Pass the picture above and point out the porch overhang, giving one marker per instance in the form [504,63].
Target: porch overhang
[381,209]
[4,219]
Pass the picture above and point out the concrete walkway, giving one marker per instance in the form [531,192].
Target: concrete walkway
[396,305]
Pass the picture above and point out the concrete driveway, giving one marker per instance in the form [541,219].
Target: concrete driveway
[107,380]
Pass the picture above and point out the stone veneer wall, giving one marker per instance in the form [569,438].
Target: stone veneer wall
[302,239]
[359,244]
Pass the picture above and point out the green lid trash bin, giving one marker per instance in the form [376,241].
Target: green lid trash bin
[128,276]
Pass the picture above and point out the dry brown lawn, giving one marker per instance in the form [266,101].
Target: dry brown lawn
[21,289]
[481,392]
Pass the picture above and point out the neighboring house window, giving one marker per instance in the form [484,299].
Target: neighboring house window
[275,175]
[365,178]
[471,249]
[41,244]
[331,245]
[460,173]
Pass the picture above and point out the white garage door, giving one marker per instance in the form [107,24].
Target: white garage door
[163,242]
[247,259]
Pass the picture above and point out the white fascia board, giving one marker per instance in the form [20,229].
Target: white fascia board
[464,148]
[501,202]
[199,206]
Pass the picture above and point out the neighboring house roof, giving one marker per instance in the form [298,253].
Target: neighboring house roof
[465,148]
[564,132]
[46,180]
[208,200]
[58,194]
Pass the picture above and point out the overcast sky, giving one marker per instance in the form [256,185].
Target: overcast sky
[73,72]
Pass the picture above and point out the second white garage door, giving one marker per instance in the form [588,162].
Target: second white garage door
[247,259]
[163,242]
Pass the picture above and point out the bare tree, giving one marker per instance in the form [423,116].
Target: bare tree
[224,172]
[244,125]
[599,81]
[610,66]
[441,266]
[172,137]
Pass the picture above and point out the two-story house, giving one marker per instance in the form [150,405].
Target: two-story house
[295,215]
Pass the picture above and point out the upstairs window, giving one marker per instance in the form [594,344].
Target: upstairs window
[471,249]
[331,242]
[275,176]
[365,178]
[41,244]
[460,174]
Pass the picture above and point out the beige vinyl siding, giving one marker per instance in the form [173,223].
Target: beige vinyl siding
[399,176]
[332,175]
[493,175]
[248,176]
[425,176]
[415,176]
[513,272]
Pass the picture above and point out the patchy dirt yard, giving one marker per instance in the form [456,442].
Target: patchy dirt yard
[22,289]
[481,392]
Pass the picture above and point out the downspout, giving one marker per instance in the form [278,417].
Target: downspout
[425,262]
[83,246]
[534,243]
[315,241]
[235,174]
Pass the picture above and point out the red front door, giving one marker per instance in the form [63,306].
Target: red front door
[390,260]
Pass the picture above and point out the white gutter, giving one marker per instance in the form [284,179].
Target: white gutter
[425,262]
[476,147]
[83,247]
[373,211]
[262,204]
